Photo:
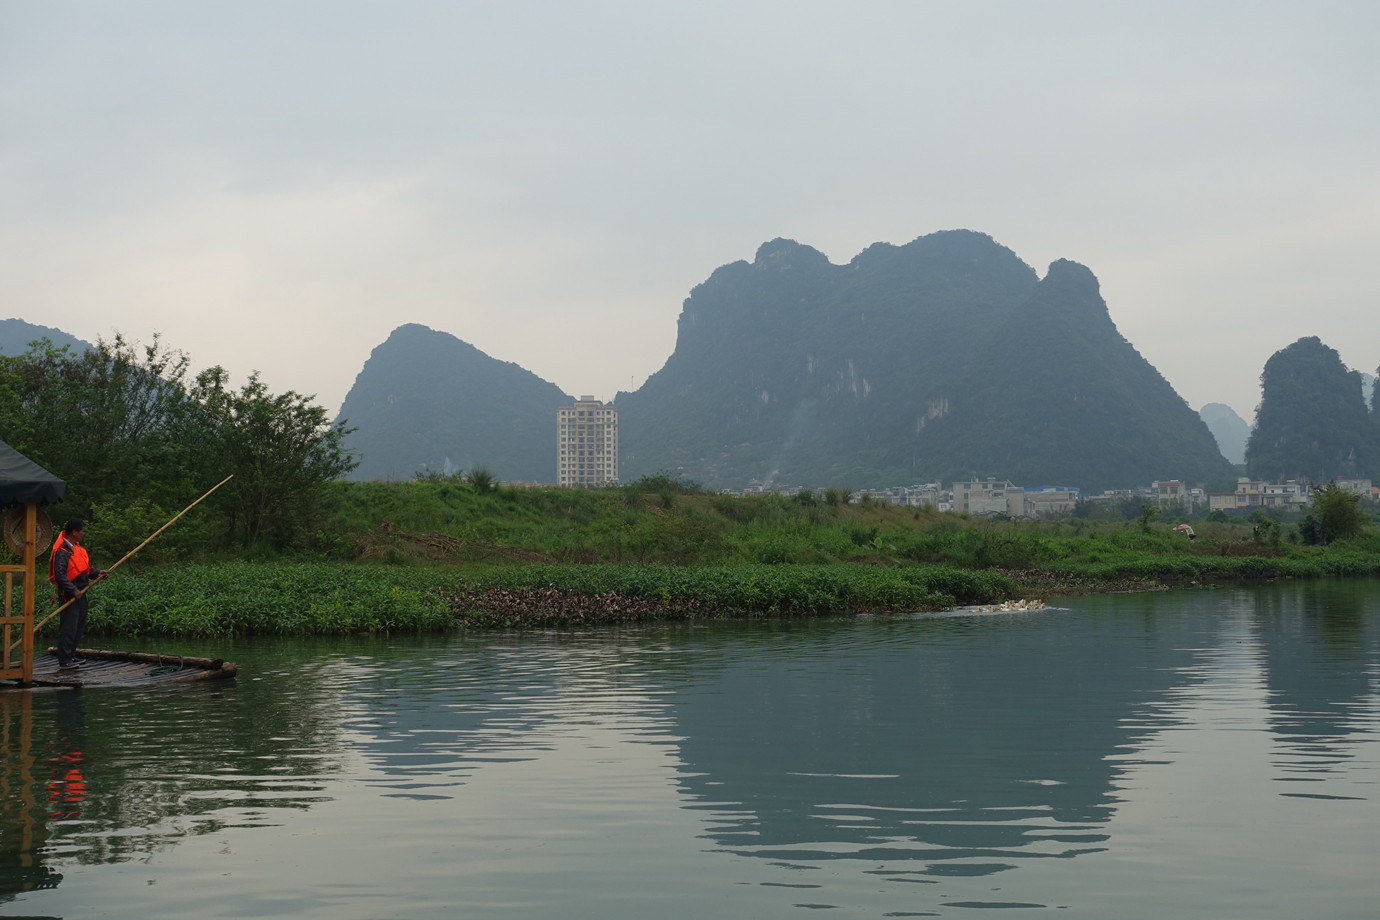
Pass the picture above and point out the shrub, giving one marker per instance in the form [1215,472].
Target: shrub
[481,479]
[1336,515]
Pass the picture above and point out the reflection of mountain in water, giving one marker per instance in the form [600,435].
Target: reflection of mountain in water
[429,721]
[423,728]
[1320,641]
[978,738]
[964,740]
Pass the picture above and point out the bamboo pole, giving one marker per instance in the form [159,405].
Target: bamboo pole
[136,549]
[214,664]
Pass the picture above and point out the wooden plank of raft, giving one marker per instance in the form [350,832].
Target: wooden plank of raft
[127,669]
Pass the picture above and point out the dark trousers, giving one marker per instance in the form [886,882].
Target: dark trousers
[71,626]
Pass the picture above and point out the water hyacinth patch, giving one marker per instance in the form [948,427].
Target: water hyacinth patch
[243,598]
[577,594]
[339,599]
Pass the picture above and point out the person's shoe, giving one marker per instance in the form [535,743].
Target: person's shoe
[69,666]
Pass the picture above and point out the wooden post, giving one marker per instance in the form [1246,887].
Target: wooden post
[21,668]
[9,599]
[30,587]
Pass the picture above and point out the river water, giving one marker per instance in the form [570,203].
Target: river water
[1191,754]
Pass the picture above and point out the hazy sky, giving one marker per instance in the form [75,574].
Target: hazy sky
[276,186]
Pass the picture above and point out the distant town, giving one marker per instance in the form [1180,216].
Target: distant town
[587,455]
[998,496]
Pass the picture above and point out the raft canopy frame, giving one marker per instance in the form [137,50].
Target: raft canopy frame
[23,484]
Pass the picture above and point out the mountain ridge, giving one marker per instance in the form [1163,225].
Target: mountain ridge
[1229,430]
[426,401]
[1313,423]
[17,334]
[885,358]
[944,358]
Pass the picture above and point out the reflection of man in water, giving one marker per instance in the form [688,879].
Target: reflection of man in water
[67,788]
[67,780]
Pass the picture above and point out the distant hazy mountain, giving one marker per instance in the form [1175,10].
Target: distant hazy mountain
[942,359]
[1313,422]
[1229,429]
[427,401]
[15,336]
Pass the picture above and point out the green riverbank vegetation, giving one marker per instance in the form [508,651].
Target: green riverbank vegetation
[440,552]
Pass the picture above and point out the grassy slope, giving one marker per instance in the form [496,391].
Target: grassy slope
[657,522]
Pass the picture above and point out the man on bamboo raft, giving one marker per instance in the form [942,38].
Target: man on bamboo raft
[69,569]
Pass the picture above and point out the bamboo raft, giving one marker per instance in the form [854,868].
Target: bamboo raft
[103,668]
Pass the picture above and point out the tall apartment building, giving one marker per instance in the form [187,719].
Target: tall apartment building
[586,443]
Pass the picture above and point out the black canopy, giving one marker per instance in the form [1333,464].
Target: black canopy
[22,480]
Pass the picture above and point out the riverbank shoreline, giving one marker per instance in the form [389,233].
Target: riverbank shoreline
[1043,583]
[551,607]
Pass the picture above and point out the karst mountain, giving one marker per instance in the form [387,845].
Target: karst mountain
[945,358]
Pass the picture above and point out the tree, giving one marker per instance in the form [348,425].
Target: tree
[135,443]
[281,450]
[1336,515]
[107,420]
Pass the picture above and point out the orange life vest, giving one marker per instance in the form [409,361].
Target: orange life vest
[77,563]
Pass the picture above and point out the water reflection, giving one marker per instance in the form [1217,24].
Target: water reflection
[948,755]
[902,764]
[425,720]
[109,776]
[1321,643]
[23,801]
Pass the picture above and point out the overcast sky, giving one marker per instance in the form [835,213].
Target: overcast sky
[277,186]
